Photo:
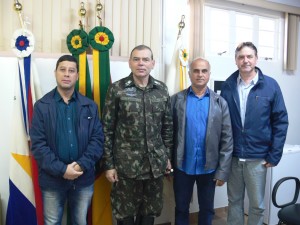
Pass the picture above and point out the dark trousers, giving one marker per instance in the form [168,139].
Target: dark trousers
[183,190]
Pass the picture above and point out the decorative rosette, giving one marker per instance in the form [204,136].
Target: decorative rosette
[101,38]
[22,43]
[77,41]
[184,57]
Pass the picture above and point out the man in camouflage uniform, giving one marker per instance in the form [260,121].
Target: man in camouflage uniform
[138,141]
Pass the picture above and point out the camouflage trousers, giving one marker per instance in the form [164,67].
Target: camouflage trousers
[130,197]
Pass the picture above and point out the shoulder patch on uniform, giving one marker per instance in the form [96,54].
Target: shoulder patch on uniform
[159,83]
[128,82]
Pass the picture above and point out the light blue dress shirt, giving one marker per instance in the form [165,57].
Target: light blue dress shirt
[243,90]
[197,109]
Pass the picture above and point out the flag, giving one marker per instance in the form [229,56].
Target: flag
[177,76]
[101,40]
[24,204]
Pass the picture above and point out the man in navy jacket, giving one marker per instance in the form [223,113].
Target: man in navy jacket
[67,141]
[259,125]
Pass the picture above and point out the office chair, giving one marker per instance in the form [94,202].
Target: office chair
[289,213]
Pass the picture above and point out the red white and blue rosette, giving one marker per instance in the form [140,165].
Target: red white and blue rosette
[22,43]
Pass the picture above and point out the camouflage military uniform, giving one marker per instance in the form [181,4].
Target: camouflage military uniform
[138,140]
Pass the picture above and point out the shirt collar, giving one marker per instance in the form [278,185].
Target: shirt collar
[191,92]
[57,96]
[130,82]
[253,81]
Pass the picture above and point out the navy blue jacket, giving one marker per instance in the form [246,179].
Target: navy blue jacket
[266,120]
[90,142]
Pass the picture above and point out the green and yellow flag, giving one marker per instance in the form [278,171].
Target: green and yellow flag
[101,40]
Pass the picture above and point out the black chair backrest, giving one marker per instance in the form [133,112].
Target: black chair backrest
[296,193]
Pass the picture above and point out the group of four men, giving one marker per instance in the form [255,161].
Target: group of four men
[205,138]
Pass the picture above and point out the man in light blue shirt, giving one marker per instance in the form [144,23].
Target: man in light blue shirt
[244,89]
[203,144]
[259,132]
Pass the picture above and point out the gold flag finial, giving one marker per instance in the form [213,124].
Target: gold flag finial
[82,13]
[181,25]
[18,9]
[17,6]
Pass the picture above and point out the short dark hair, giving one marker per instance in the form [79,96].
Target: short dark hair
[142,47]
[67,58]
[245,44]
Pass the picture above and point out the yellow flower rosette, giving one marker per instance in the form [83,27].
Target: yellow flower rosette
[101,38]
[77,41]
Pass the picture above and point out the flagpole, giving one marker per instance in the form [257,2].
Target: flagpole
[18,9]
[99,8]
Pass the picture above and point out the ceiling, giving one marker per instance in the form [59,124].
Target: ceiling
[295,3]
